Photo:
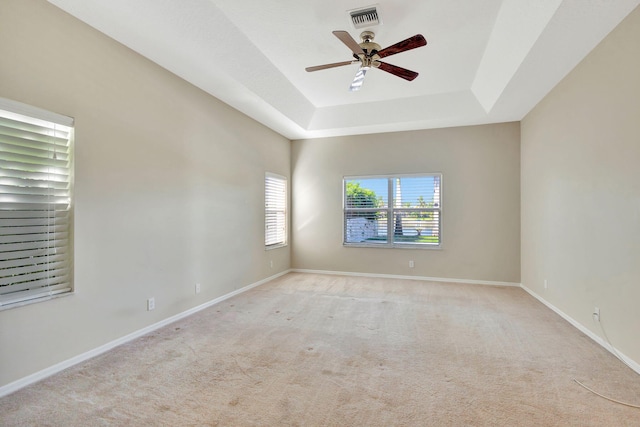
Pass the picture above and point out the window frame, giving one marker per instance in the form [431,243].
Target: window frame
[16,294]
[390,212]
[283,211]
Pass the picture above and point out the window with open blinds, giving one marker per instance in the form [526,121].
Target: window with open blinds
[391,211]
[275,210]
[35,199]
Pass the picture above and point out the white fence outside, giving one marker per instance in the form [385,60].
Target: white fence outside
[361,229]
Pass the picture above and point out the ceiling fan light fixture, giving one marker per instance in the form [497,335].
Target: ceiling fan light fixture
[358,80]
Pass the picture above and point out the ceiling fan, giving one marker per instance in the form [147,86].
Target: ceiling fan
[368,54]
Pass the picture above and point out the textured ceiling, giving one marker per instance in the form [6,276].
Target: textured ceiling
[486,61]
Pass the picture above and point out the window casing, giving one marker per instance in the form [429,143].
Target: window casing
[35,204]
[275,210]
[393,211]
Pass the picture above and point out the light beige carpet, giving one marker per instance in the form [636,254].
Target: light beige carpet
[320,350]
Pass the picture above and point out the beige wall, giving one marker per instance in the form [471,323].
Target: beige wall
[581,191]
[169,187]
[480,201]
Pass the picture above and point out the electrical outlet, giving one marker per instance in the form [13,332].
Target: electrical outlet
[596,314]
[545,283]
[197,288]
[411,264]
[151,304]
[271,263]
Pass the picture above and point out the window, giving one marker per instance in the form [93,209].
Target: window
[393,211]
[275,210]
[35,200]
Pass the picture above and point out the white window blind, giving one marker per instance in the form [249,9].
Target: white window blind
[389,211]
[35,197]
[275,210]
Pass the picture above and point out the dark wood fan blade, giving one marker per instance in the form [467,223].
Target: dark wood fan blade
[346,38]
[325,66]
[411,43]
[398,71]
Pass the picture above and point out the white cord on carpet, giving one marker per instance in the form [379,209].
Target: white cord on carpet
[615,353]
[608,398]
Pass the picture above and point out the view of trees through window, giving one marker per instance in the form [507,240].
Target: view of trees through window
[413,210]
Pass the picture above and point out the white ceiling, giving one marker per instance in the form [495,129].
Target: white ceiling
[486,61]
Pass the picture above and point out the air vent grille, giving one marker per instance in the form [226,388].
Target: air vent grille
[367,17]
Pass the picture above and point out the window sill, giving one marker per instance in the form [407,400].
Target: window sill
[7,304]
[393,246]
[276,246]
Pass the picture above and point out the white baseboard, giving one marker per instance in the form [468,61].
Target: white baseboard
[630,362]
[40,375]
[395,276]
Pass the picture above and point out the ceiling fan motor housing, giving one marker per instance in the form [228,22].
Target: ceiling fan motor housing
[370,57]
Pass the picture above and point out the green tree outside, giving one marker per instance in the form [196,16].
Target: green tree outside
[358,197]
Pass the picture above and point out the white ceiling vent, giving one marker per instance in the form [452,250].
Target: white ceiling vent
[365,17]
